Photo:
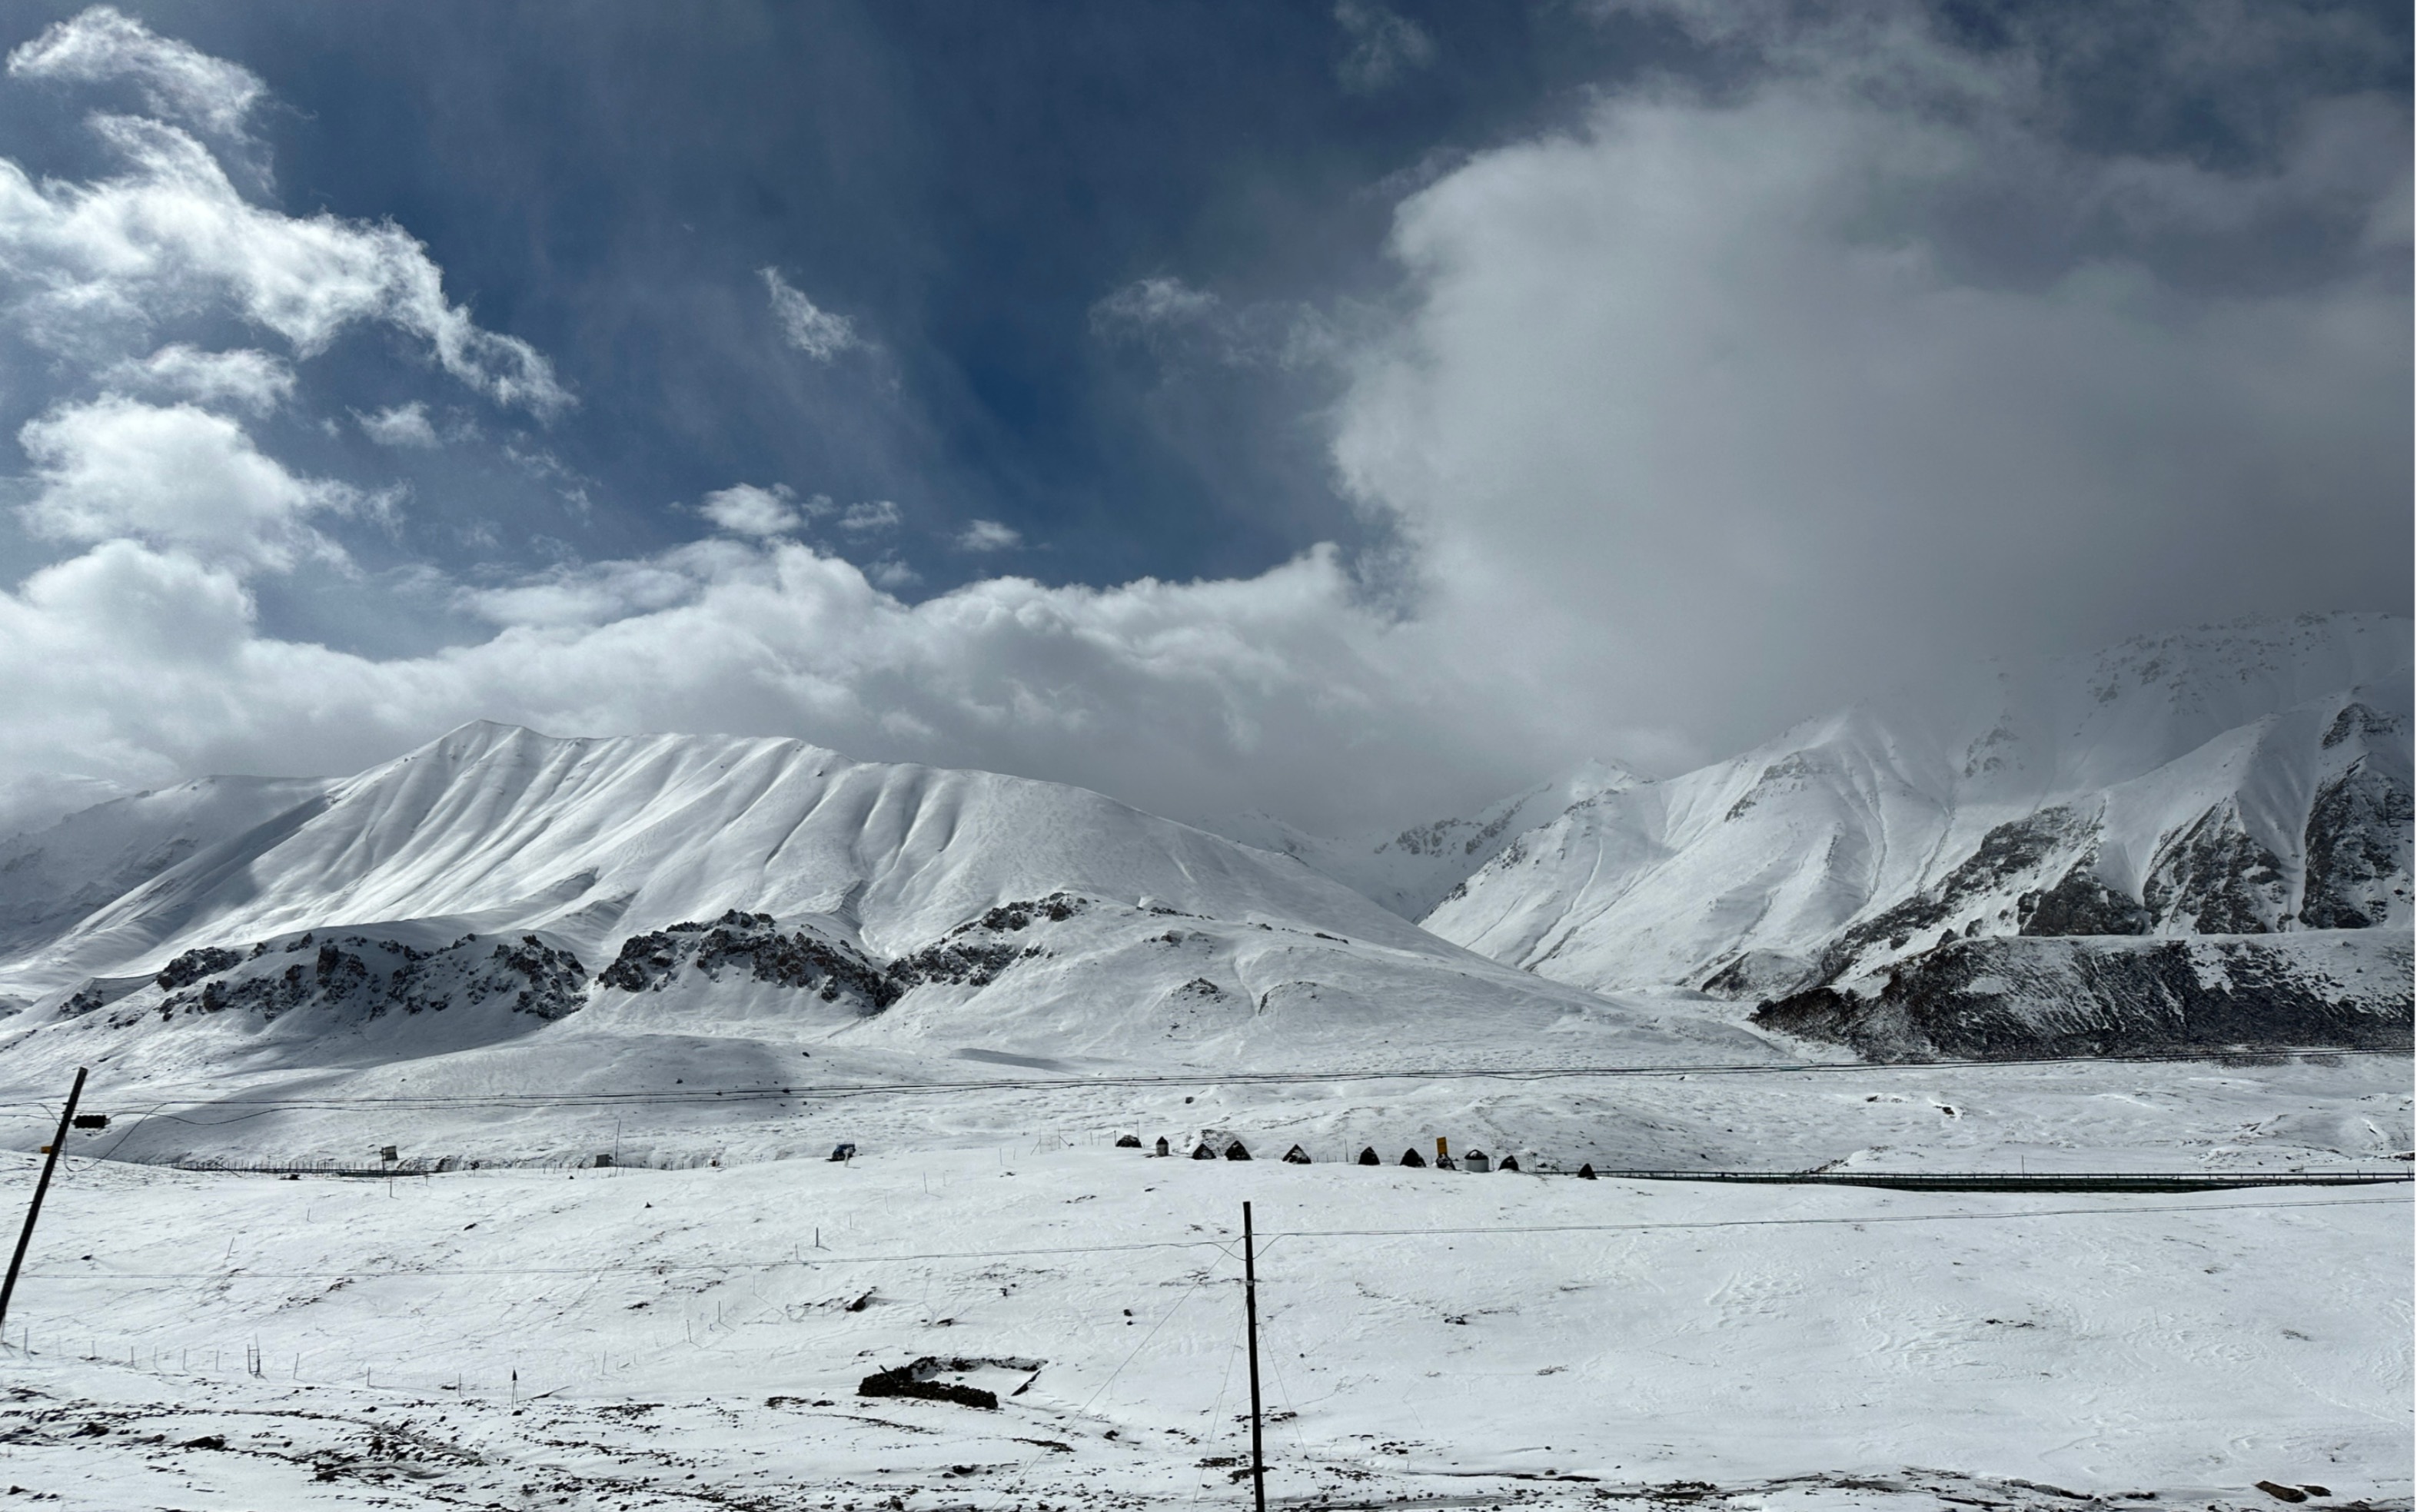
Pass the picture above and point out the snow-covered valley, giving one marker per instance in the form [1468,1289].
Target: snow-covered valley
[612,1003]
[633,1338]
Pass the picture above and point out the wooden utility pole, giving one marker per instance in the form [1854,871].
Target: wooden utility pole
[1251,1313]
[41,1188]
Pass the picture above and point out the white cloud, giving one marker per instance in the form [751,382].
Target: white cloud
[173,232]
[873,515]
[989,536]
[176,78]
[1153,302]
[804,325]
[600,593]
[747,510]
[1694,413]
[133,664]
[1170,315]
[891,575]
[1704,415]
[249,379]
[400,425]
[1384,46]
[175,477]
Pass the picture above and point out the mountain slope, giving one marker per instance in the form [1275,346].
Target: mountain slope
[598,839]
[50,878]
[1410,870]
[501,887]
[2240,780]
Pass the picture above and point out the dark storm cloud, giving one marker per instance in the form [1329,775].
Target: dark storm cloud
[1899,349]
[1657,373]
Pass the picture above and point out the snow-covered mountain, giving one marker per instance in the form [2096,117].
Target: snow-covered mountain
[1411,871]
[51,878]
[499,884]
[2243,779]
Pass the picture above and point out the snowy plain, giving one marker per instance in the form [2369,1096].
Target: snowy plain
[711,960]
[694,1337]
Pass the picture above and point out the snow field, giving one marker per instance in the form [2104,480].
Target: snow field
[2063,1117]
[1423,1334]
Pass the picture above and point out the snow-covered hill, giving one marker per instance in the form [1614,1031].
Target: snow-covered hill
[499,885]
[1411,871]
[51,878]
[2238,780]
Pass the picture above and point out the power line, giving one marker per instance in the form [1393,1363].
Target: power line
[236,1273]
[793,1092]
[1878,1217]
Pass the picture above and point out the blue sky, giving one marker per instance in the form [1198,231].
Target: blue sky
[1339,410]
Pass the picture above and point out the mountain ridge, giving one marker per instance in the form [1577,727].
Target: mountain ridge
[2240,780]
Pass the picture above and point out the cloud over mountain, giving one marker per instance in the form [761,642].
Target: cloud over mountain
[1680,421]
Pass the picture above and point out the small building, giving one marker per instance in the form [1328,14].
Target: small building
[1296,1156]
[1368,1156]
[1476,1160]
[1161,1152]
[1412,1157]
[603,1160]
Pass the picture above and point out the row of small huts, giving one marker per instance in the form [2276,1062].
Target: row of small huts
[1213,1146]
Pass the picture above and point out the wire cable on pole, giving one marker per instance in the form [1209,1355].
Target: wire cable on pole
[794,1093]
[358,1274]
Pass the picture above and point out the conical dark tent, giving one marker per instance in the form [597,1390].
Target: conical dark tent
[1412,1157]
[1127,1141]
[1236,1152]
[1202,1151]
[1296,1156]
[1368,1156]
[1510,1162]
[1585,1172]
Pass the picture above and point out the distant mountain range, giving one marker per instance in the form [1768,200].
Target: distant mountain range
[2245,782]
[2194,839]
[499,885]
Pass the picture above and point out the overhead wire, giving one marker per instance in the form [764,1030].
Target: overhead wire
[794,1092]
[658,1268]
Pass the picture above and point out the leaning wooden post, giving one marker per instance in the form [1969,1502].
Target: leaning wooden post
[1251,1313]
[41,1188]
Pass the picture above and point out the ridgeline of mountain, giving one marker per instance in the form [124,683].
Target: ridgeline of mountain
[2185,839]
[1410,870]
[503,885]
[2247,781]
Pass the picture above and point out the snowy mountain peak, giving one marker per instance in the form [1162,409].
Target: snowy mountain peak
[2241,779]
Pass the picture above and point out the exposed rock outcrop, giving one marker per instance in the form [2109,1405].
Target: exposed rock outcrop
[755,945]
[2025,996]
[364,977]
